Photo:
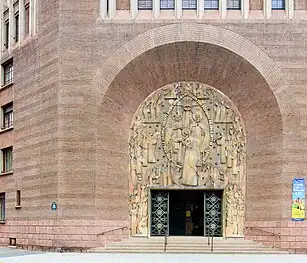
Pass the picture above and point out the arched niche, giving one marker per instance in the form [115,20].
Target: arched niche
[187,135]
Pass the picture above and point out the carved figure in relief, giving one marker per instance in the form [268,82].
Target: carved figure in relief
[235,210]
[230,210]
[143,214]
[152,141]
[134,208]
[220,142]
[179,150]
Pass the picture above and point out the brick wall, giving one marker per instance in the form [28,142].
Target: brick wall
[256,5]
[123,4]
[291,236]
[72,131]
[300,4]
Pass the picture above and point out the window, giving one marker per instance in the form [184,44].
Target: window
[8,73]
[16,27]
[145,4]
[233,4]
[2,206]
[167,4]
[7,155]
[278,4]
[6,36]
[18,198]
[27,19]
[189,4]
[211,4]
[7,116]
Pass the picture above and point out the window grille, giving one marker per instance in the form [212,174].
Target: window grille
[189,4]
[18,198]
[17,27]
[233,4]
[167,4]
[211,4]
[8,73]
[27,19]
[7,116]
[278,4]
[2,206]
[7,38]
[145,4]
[7,155]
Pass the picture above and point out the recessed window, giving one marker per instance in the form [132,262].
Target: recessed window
[2,206]
[16,27]
[27,19]
[8,118]
[6,34]
[18,198]
[167,4]
[189,4]
[7,160]
[233,4]
[211,4]
[278,4]
[145,4]
[8,71]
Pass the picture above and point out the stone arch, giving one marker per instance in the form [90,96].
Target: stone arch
[202,33]
[267,146]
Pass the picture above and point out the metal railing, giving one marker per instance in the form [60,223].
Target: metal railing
[262,230]
[211,243]
[165,242]
[112,230]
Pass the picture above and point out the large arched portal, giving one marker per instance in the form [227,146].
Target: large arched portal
[221,59]
[187,163]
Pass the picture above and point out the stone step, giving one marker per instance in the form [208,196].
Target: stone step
[217,251]
[196,245]
[183,245]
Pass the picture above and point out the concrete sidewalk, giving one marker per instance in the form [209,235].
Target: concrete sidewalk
[149,258]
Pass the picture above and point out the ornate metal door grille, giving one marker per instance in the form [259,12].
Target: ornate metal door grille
[213,213]
[159,213]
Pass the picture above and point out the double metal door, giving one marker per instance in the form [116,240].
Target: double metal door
[160,210]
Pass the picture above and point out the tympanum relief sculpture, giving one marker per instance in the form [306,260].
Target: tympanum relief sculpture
[187,135]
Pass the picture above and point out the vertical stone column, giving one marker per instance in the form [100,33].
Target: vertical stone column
[31,17]
[133,8]
[22,20]
[245,8]
[11,25]
[34,20]
[223,8]
[2,29]
[103,10]
[200,8]
[156,8]
[178,8]
[290,8]
[112,8]
[267,8]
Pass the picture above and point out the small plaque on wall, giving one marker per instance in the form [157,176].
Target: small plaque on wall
[53,206]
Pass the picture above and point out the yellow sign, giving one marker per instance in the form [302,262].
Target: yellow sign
[188,213]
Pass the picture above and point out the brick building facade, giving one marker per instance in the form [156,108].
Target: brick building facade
[81,70]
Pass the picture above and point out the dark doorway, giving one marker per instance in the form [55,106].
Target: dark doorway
[186,215]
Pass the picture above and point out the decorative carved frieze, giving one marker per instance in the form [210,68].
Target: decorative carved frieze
[187,135]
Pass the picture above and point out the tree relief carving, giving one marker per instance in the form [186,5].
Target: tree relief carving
[187,135]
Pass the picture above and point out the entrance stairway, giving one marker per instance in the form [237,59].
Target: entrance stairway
[186,244]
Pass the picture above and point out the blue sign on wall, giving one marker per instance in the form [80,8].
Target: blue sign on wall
[298,199]
[53,206]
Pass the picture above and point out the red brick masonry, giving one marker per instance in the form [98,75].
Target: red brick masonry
[291,236]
